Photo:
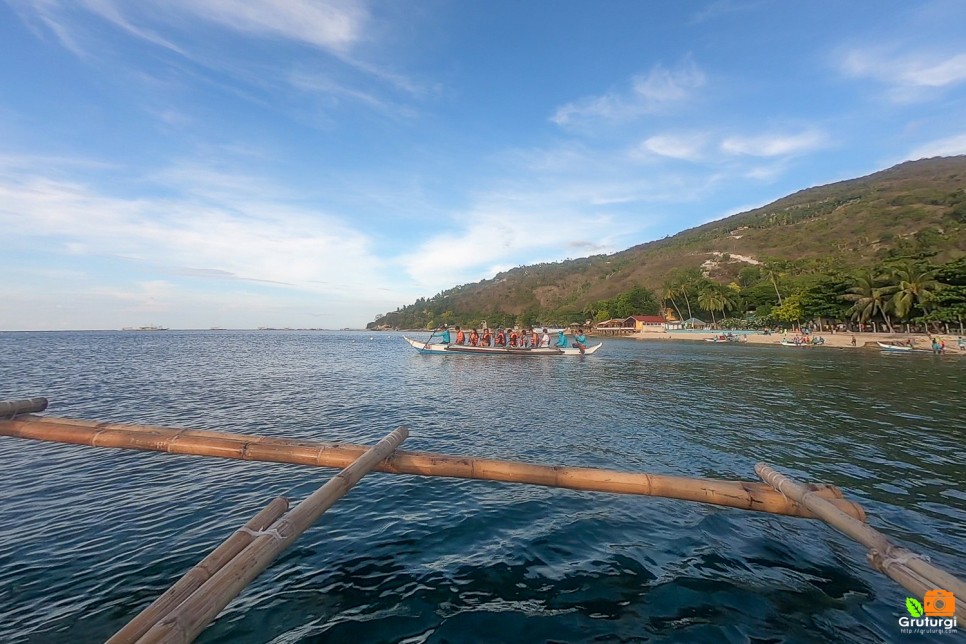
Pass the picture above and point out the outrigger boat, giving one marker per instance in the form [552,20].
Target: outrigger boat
[439,348]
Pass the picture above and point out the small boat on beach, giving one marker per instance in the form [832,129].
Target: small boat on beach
[900,348]
[442,349]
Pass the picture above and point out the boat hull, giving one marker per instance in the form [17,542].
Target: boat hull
[454,349]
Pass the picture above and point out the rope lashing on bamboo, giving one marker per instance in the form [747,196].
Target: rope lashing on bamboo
[912,571]
[12,408]
[271,532]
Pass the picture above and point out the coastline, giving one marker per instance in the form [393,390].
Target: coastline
[863,341]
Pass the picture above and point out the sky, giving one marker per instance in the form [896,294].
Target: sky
[313,164]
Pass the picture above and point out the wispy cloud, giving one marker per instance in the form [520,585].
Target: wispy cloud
[906,75]
[215,226]
[655,91]
[686,147]
[775,145]
[947,147]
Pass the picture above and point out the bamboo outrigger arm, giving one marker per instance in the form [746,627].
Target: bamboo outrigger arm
[736,494]
[910,570]
[185,621]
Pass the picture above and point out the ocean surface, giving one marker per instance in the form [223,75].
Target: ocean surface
[89,537]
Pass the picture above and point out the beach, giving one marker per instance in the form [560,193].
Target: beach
[863,341]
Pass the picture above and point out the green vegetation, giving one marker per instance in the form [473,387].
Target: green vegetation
[885,249]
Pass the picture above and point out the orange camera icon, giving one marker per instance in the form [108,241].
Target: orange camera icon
[939,603]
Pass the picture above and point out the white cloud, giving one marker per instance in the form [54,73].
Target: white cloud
[907,75]
[329,24]
[948,147]
[687,147]
[653,92]
[774,145]
[235,227]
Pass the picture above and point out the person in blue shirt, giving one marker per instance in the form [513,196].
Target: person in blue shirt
[562,340]
[446,336]
[580,340]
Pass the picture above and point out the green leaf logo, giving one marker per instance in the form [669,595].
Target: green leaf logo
[914,607]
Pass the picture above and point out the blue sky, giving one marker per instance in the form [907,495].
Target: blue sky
[245,163]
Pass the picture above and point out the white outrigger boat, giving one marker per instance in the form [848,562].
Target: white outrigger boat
[443,349]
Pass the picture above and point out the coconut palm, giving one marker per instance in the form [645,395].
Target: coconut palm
[915,287]
[669,290]
[715,297]
[869,298]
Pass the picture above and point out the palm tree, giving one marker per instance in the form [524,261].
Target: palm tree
[669,290]
[916,287]
[715,297]
[771,272]
[868,299]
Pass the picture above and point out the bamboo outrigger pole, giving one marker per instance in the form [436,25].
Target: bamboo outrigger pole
[188,619]
[910,570]
[737,494]
[202,572]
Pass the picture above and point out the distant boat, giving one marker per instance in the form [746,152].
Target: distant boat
[442,349]
[145,328]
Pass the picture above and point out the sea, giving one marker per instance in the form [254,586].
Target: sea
[90,536]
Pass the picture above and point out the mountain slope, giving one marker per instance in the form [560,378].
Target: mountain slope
[916,208]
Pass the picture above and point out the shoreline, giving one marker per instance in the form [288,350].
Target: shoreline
[863,340]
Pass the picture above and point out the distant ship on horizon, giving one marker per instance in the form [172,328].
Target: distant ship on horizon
[145,328]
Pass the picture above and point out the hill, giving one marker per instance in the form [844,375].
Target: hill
[915,210]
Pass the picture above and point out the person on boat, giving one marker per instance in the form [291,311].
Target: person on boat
[545,339]
[485,340]
[460,336]
[580,340]
[500,337]
[475,338]
[534,339]
[514,337]
[562,340]
[447,339]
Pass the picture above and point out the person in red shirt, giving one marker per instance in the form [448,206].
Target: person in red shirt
[460,336]
[514,337]
[486,338]
[500,338]
[475,338]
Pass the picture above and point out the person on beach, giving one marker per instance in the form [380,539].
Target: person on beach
[853,339]
[961,343]
[562,340]
[460,336]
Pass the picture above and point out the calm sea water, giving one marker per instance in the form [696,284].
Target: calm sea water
[88,537]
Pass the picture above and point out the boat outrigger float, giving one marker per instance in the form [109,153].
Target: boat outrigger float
[442,349]
[181,613]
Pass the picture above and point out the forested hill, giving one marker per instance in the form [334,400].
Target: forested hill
[914,211]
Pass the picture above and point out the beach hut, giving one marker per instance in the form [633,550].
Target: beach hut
[646,323]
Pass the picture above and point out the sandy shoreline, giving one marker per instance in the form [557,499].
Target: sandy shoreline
[863,341]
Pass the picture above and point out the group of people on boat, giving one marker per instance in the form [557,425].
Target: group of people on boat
[512,338]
